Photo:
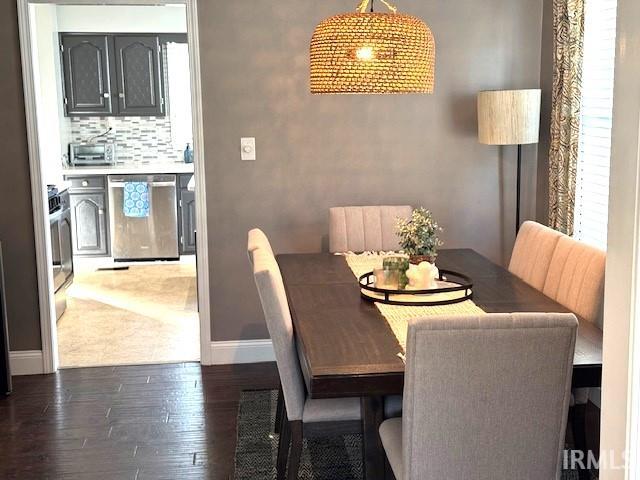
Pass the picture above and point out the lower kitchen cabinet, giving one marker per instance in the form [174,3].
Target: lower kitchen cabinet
[187,218]
[90,223]
[90,215]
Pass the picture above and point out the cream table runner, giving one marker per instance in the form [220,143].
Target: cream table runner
[397,316]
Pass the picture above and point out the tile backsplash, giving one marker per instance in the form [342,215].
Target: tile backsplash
[137,139]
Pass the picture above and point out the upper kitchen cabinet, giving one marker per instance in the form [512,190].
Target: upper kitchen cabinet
[138,73]
[87,82]
[108,75]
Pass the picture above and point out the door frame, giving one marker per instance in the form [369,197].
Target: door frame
[46,301]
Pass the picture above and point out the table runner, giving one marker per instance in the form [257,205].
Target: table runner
[397,316]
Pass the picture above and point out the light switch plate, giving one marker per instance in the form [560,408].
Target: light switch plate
[248,148]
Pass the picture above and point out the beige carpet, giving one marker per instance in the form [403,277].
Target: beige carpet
[147,314]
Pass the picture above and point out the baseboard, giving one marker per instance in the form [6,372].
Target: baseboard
[26,362]
[242,351]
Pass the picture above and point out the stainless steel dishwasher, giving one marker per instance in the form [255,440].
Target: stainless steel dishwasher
[154,236]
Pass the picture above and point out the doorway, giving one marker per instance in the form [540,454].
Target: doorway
[115,137]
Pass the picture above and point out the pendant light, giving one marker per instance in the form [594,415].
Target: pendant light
[372,52]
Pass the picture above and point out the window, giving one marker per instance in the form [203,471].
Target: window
[592,188]
[179,81]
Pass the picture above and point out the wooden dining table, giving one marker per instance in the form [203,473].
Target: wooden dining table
[347,349]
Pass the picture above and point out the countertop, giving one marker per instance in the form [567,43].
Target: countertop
[130,169]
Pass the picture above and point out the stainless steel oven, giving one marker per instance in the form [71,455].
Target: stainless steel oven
[61,248]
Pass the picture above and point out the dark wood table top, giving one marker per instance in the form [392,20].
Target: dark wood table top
[346,346]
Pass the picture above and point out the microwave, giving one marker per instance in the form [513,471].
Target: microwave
[90,154]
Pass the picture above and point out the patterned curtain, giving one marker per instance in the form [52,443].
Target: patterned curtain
[568,26]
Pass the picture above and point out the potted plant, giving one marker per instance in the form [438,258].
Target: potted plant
[419,236]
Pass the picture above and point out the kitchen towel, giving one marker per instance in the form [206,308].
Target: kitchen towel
[136,199]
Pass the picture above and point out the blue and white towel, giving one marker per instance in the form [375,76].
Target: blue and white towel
[136,199]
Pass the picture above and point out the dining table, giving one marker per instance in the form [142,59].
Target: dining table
[347,348]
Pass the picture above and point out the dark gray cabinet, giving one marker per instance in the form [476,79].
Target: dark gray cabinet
[87,79]
[187,222]
[89,216]
[186,216]
[112,74]
[139,75]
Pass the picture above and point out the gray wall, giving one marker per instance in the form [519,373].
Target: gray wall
[318,151]
[16,220]
[314,151]
[546,84]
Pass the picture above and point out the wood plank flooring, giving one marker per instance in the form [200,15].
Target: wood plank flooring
[127,422]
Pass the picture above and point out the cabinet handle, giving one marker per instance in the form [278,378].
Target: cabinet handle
[85,183]
[101,211]
[121,95]
[106,94]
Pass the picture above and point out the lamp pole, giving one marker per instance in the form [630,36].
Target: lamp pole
[518,176]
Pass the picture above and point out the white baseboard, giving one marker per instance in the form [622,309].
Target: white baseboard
[26,362]
[242,351]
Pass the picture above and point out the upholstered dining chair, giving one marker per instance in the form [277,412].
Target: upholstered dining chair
[485,397]
[576,280]
[532,252]
[301,414]
[369,228]
[257,239]
[360,229]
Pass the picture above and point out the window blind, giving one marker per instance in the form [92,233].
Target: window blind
[592,188]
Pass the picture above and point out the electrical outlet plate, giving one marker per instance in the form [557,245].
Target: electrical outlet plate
[248,148]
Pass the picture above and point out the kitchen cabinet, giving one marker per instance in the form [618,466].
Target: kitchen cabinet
[86,74]
[186,216]
[138,73]
[89,216]
[112,75]
[187,222]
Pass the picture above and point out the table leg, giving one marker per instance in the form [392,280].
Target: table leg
[373,453]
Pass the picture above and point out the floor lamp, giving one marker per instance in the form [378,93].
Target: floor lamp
[509,117]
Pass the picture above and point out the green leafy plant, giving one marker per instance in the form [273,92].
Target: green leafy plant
[419,234]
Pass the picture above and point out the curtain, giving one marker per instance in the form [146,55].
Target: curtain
[568,28]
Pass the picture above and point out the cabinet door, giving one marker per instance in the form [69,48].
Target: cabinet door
[138,73]
[187,222]
[88,212]
[85,66]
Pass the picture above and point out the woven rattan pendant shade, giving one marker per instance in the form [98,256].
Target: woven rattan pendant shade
[366,52]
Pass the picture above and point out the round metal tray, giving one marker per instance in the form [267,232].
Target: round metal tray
[453,287]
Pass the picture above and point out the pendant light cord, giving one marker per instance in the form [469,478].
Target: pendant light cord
[362,6]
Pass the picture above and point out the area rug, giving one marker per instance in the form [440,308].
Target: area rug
[327,458]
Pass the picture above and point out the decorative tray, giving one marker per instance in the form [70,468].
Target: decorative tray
[453,287]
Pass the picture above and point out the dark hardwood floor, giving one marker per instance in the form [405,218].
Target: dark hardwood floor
[136,422]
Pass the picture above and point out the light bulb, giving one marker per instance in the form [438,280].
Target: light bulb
[364,53]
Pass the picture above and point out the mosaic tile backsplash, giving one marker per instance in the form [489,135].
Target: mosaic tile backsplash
[138,139]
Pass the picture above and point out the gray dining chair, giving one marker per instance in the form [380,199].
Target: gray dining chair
[257,239]
[301,415]
[532,252]
[576,280]
[485,397]
[362,229]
